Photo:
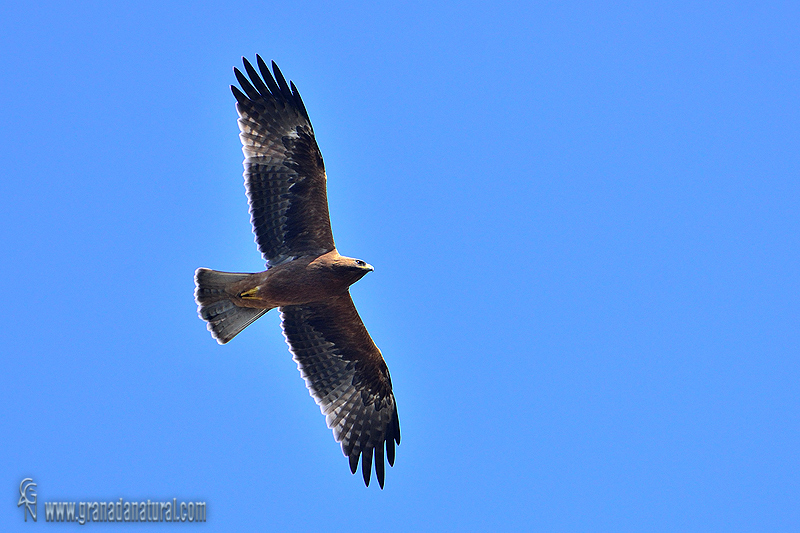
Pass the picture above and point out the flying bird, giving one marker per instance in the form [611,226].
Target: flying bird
[306,277]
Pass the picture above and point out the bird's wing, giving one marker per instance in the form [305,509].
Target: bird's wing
[283,170]
[347,377]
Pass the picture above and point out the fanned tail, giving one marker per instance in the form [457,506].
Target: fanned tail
[214,305]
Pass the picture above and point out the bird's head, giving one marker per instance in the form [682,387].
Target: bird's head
[353,269]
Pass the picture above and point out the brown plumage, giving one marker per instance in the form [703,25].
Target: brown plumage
[306,277]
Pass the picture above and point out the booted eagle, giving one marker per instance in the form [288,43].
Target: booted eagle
[306,277]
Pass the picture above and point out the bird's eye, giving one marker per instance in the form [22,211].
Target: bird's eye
[360,263]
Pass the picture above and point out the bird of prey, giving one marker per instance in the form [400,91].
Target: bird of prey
[306,278]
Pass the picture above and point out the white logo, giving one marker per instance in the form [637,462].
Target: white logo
[26,491]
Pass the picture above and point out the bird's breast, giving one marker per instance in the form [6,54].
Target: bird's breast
[301,282]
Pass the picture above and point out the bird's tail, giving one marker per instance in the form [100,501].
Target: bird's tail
[214,305]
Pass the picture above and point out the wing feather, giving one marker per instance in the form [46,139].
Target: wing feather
[283,169]
[347,377]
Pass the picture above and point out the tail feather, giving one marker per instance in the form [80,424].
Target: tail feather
[214,305]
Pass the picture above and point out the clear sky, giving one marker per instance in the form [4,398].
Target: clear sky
[584,221]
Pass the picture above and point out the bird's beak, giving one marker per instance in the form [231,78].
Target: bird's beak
[370,268]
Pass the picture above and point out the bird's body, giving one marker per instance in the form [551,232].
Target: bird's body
[306,277]
[300,281]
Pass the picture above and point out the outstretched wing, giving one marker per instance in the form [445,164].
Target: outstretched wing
[347,377]
[283,170]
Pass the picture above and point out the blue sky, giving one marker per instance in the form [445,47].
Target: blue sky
[583,219]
